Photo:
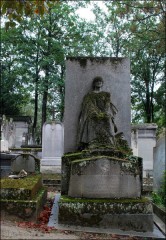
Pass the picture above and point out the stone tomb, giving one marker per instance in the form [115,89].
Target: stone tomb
[101,179]
[23,197]
[21,194]
[102,190]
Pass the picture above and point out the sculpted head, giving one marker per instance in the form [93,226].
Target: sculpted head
[97,82]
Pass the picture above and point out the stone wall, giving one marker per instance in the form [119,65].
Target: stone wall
[159,162]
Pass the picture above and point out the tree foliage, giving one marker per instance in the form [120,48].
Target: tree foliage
[14,10]
[137,29]
[45,32]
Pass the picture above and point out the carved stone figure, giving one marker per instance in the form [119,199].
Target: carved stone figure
[96,121]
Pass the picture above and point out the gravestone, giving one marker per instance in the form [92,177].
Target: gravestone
[4,146]
[14,129]
[143,142]
[25,161]
[8,131]
[52,147]
[80,72]
[101,179]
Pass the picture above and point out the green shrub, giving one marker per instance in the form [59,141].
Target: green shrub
[156,198]
[160,196]
[162,190]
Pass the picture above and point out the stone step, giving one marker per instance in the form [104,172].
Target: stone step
[51,181]
[52,184]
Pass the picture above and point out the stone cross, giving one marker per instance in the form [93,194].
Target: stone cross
[53,113]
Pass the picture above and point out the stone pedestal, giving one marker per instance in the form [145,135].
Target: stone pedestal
[102,188]
[105,177]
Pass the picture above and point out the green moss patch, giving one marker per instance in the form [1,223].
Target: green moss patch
[26,149]
[56,176]
[27,182]
[24,188]
[98,157]
[67,199]
[104,206]
[112,213]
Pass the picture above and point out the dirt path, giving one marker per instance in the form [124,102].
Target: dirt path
[12,231]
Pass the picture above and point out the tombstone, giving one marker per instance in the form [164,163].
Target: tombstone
[159,163]
[4,146]
[79,74]
[25,161]
[8,131]
[99,173]
[52,147]
[14,129]
[22,129]
[5,160]
[143,141]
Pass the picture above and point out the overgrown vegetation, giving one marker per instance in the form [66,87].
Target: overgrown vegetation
[159,197]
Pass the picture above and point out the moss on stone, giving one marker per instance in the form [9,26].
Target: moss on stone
[26,183]
[47,176]
[98,157]
[67,199]
[26,149]
[25,208]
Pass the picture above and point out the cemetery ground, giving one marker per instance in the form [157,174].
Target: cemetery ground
[13,227]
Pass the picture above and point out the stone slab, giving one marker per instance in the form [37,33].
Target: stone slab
[25,208]
[53,222]
[105,178]
[111,214]
[51,161]
[50,169]
[20,189]
[79,76]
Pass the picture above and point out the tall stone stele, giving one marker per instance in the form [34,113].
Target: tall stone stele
[52,147]
[100,176]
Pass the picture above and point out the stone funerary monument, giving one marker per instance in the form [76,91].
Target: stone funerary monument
[101,179]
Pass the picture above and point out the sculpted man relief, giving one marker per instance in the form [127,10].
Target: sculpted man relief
[96,121]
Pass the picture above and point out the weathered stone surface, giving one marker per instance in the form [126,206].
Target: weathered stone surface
[80,73]
[125,214]
[23,197]
[143,141]
[52,147]
[105,177]
[25,208]
[159,163]
[92,154]
[20,189]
